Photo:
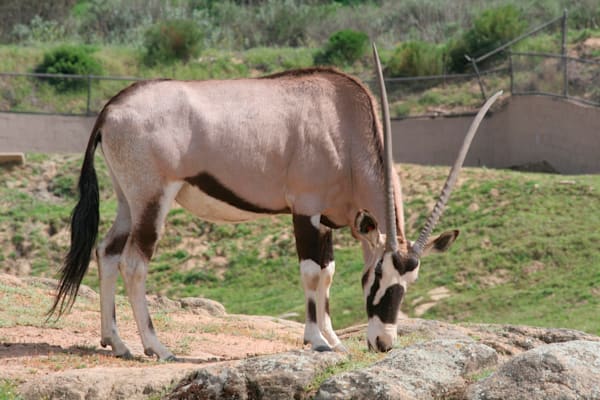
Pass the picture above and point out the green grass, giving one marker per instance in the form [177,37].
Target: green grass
[8,390]
[527,253]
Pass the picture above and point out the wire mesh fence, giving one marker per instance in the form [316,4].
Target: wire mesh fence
[552,73]
[555,75]
[39,93]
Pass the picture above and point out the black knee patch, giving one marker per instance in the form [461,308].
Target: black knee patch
[312,243]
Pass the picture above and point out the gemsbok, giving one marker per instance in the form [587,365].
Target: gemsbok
[305,142]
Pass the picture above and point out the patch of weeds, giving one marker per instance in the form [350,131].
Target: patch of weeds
[480,375]
[410,339]
[211,328]
[161,319]
[8,390]
[184,345]
[359,357]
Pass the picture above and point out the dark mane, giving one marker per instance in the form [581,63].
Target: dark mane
[300,72]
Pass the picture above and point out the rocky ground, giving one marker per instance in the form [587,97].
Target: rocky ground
[244,357]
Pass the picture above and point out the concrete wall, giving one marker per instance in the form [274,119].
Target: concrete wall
[525,130]
[30,133]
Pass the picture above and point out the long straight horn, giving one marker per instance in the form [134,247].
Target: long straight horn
[417,248]
[390,214]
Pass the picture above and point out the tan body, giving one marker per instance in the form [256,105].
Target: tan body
[299,143]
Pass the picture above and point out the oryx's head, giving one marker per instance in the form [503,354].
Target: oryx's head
[390,270]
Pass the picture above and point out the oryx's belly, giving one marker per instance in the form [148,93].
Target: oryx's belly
[210,208]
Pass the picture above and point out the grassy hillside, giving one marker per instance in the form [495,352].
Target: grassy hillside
[527,253]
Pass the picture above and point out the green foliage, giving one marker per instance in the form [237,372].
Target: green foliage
[38,30]
[173,40]
[8,390]
[344,47]
[73,60]
[266,59]
[490,29]
[268,23]
[584,14]
[416,58]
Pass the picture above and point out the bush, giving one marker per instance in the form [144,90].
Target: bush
[343,48]
[490,30]
[416,58]
[71,60]
[173,40]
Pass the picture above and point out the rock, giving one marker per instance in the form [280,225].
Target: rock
[105,383]
[556,371]
[163,303]
[280,376]
[197,304]
[436,369]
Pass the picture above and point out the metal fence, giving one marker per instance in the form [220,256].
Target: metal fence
[14,84]
[552,74]
[555,75]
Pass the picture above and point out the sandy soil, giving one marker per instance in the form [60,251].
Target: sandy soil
[29,348]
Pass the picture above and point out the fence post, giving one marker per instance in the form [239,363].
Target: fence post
[564,55]
[89,94]
[511,72]
[481,87]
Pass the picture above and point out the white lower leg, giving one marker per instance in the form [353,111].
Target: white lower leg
[310,278]
[323,317]
[108,271]
[135,281]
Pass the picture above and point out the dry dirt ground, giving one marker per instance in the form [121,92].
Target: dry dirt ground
[30,348]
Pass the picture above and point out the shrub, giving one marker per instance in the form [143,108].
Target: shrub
[416,58]
[343,48]
[71,60]
[490,30]
[170,41]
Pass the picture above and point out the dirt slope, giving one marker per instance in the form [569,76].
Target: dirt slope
[32,350]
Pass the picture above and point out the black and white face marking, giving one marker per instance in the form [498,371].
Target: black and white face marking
[386,277]
[384,285]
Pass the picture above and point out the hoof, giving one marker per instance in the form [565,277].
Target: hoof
[125,356]
[322,349]
[105,342]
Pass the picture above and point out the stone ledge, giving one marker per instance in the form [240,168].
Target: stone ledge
[12,159]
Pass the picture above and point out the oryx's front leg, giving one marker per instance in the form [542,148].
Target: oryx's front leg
[315,251]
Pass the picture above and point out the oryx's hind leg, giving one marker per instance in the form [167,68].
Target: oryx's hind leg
[109,255]
[148,215]
[315,251]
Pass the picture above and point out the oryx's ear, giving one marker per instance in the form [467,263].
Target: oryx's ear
[365,226]
[441,243]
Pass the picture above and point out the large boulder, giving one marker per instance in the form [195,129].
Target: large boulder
[280,376]
[565,371]
[436,369]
